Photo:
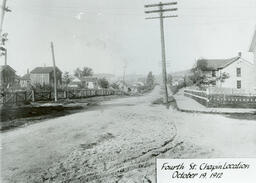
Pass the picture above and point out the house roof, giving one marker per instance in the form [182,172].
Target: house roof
[215,64]
[4,67]
[253,44]
[76,79]
[89,79]
[43,70]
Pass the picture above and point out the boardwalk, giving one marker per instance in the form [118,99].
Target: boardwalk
[187,104]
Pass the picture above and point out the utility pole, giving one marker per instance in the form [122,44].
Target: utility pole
[4,39]
[3,10]
[124,74]
[160,9]
[54,72]
[3,48]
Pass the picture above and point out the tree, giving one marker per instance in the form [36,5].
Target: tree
[67,78]
[150,79]
[78,73]
[103,83]
[199,78]
[86,71]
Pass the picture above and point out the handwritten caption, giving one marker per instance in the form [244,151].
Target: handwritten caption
[206,170]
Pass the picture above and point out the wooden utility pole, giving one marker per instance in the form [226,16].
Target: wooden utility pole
[161,11]
[54,71]
[4,9]
[3,46]
[124,74]
[5,52]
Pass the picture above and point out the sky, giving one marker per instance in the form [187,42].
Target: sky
[111,35]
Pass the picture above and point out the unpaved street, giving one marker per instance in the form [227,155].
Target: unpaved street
[119,141]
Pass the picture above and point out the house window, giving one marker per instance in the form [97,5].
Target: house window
[213,73]
[238,72]
[238,84]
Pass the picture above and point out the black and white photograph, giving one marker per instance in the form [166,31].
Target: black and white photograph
[100,91]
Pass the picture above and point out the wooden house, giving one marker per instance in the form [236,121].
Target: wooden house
[90,82]
[75,83]
[253,50]
[45,76]
[239,71]
[7,76]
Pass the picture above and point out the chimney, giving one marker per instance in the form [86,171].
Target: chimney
[27,71]
[240,54]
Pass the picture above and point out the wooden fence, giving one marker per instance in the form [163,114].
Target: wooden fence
[222,100]
[231,91]
[21,97]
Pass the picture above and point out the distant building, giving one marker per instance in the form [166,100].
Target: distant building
[123,86]
[135,87]
[7,76]
[90,82]
[139,84]
[178,78]
[75,83]
[253,50]
[45,76]
[25,81]
[240,72]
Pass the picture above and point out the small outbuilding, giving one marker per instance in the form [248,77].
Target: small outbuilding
[90,82]
[7,76]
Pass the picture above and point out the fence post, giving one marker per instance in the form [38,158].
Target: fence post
[4,97]
[33,95]
[25,97]
[65,94]
[15,98]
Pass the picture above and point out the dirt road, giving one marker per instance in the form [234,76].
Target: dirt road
[118,142]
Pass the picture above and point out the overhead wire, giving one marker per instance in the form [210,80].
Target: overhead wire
[186,13]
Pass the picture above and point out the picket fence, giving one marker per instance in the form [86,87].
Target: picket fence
[222,100]
[20,97]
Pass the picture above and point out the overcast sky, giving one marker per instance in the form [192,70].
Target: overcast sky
[106,35]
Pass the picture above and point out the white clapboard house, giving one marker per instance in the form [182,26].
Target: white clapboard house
[240,72]
[253,50]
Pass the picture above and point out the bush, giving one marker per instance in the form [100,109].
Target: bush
[175,89]
[103,83]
